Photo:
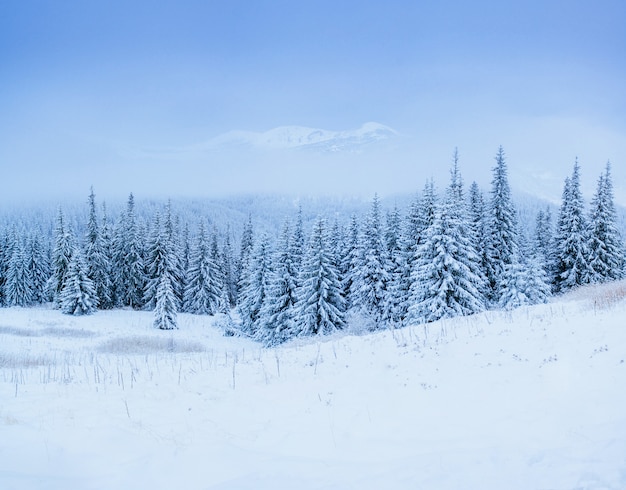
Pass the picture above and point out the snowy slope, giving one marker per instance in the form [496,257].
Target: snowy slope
[522,400]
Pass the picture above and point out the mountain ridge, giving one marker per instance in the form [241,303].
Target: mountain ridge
[303,138]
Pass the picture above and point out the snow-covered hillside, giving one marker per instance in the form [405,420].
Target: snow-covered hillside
[528,399]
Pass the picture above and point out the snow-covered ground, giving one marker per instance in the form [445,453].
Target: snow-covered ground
[532,399]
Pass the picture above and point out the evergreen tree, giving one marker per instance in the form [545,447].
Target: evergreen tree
[170,230]
[525,281]
[38,267]
[98,266]
[165,316]
[245,254]
[350,262]
[478,226]
[92,233]
[144,232]
[78,296]
[223,305]
[513,286]
[320,307]
[185,249]
[61,255]
[427,211]
[129,264]
[214,248]
[18,289]
[544,236]
[606,251]
[164,274]
[4,264]
[502,247]
[412,233]
[156,253]
[228,264]
[336,242]
[538,283]
[447,280]
[277,311]
[247,241]
[256,287]
[162,257]
[571,267]
[394,302]
[372,276]
[297,242]
[203,292]
[420,218]
[106,295]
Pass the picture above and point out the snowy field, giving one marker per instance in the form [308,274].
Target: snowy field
[533,399]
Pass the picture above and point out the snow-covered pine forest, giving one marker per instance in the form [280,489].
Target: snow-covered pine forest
[455,251]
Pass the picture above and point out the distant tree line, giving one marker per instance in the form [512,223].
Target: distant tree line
[452,253]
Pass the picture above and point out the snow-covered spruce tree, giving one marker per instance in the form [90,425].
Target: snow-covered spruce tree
[606,250]
[349,264]
[393,312]
[78,296]
[18,289]
[447,280]
[571,267]
[4,264]
[371,276]
[427,209]
[7,244]
[61,255]
[538,283]
[223,305]
[277,311]
[38,267]
[513,286]
[478,225]
[144,232]
[525,281]
[98,266]
[256,287]
[228,267]
[165,311]
[164,273]
[129,274]
[297,242]
[156,251]
[337,245]
[502,243]
[420,217]
[544,237]
[203,292]
[106,301]
[410,235]
[185,254]
[245,255]
[171,227]
[320,307]
[162,257]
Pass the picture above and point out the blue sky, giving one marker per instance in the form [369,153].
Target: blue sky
[86,85]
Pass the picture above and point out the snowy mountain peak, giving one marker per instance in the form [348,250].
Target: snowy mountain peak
[301,137]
